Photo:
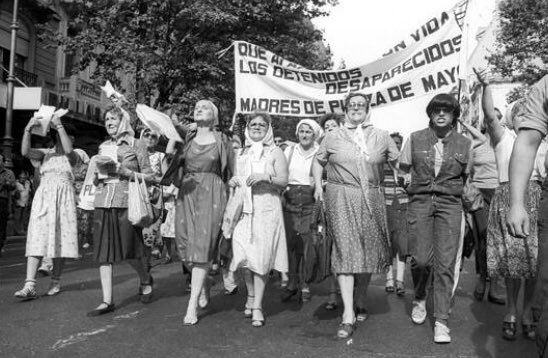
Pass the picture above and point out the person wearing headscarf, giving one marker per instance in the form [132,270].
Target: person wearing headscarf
[201,168]
[151,234]
[258,239]
[52,230]
[115,239]
[299,205]
[509,257]
[439,160]
[354,156]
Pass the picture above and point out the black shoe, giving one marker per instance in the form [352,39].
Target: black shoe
[147,297]
[528,331]
[496,300]
[100,311]
[287,294]
[509,331]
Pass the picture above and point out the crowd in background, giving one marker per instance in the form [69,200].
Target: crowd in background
[258,205]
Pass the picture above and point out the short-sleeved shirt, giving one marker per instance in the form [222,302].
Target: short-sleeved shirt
[503,152]
[338,153]
[535,108]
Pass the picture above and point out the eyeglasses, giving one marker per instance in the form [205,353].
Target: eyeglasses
[257,125]
[357,105]
[150,135]
[444,109]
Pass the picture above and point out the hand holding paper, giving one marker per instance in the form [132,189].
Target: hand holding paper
[41,120]
[157,121]
[116,97]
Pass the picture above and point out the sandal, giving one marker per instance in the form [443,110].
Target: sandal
[389,288]
[362,314]
[258,322]
[346,330]
[528,331]
[146,297]
[331,303]
[248,311]
[509,331]
[27,293]
[400,288]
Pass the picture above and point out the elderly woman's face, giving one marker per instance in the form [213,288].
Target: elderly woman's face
[203,112]
[151,139]
[305,135]
[442,117]
[112,123]
[357,109]
[257,128]
[330,125]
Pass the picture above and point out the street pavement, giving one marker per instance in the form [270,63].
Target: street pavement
[58,326]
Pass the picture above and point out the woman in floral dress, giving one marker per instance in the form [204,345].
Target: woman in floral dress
[52,230]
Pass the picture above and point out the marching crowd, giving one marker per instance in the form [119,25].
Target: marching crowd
[256,209]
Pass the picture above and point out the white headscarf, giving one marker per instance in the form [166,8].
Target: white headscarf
[316,128]
[359,137]
[256,148]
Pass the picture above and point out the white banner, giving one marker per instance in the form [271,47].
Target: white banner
[422,65]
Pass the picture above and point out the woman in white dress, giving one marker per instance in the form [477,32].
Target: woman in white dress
[52,230]
[259,243]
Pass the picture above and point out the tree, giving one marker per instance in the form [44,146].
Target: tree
[169,47]
[522,46]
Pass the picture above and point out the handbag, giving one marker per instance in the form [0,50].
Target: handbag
[472,200]
[233,211]
[140,212]
[318,249]
[225,251]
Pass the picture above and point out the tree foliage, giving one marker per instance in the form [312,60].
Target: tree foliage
[168,48]
[522,40]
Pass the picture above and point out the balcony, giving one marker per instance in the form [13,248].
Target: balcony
[77,87]
[28,78]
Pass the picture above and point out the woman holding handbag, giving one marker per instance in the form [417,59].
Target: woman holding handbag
[120,159]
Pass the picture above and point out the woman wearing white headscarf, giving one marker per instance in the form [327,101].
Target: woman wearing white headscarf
[115,238]
[206,163]
[354,156]
[299,205]
[259,237]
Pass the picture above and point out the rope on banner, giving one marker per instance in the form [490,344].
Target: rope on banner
[223,52]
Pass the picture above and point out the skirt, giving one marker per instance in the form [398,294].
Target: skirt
[507,256]
[115,239]
[358,227]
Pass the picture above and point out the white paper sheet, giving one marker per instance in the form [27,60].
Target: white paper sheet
[157,121]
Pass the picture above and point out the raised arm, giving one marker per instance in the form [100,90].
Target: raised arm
[66,143]
[492,124]
[26,150]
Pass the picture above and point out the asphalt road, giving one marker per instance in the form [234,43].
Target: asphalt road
[58,326]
